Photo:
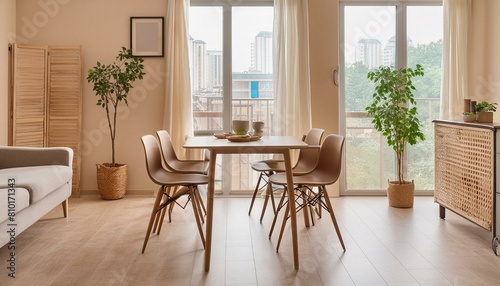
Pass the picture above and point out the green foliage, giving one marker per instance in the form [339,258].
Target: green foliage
[393,109]
[485,106]
[112,84]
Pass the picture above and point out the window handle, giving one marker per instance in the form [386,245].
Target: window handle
[336,76]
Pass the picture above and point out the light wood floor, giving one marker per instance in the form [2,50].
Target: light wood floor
[100,244]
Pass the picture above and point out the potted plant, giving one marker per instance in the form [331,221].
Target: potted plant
[112,84]
[395,116]
[468,116]
[484,111]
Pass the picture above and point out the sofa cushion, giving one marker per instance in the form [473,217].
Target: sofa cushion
[39,180]
[21,199]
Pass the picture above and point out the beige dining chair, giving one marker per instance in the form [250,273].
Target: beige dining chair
[158,174]
[305,163]
[174,164]
[326,172]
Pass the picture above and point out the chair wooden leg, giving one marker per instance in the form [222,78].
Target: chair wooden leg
[161,217]
[152,218]
[285,218]
[196,214]
[280,205]
[201,203]
[161,214]
[171,207]
[272,197]
[318,207]
[305,207]
[332,216]
[255,193]
[65,207]
[266,200]
[196,200]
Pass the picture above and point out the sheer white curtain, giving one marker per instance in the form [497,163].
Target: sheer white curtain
[291,68]
[177,116]
[455,53]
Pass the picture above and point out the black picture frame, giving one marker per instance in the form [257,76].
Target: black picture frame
[146,36]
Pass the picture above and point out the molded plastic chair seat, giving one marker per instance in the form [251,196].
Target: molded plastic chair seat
[305,163]
[173,163]
[326,172]
[167,180]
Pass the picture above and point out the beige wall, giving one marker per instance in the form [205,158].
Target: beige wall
[324,57]
[7,31]
[484,61]
[101,28]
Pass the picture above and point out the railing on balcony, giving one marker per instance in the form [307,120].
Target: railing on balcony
[208,113]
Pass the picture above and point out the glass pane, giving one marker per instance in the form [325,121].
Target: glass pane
[425,48]
[205,59]
[369,41]
[205,30]
[252,81]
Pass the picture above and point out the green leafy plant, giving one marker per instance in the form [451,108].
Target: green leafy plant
[112,84]
[469,113]
[485,106]
[394,111]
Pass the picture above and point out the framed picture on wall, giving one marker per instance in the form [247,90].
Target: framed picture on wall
[146,36]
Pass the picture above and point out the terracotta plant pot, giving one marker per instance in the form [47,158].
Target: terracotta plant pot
[484,116]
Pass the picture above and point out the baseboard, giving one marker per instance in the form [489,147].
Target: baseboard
[128,193]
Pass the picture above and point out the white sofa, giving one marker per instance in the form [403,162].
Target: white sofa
[37,180]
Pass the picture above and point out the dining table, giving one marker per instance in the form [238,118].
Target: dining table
[264,145]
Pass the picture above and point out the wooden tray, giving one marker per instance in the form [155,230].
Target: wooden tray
[242,138]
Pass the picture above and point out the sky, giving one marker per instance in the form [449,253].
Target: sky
[425,25]
[205,23]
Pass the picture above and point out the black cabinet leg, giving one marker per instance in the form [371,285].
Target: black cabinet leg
[442,212]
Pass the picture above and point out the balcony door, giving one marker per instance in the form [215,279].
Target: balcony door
[390,33]
[231,77]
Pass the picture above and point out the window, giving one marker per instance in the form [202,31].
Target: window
[231,76]
[379,33]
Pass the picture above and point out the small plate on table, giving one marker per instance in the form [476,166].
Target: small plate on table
[222,135]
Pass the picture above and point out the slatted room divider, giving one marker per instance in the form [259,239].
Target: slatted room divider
[45,99]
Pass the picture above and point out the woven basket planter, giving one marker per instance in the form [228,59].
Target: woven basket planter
[112,181]
[401,195]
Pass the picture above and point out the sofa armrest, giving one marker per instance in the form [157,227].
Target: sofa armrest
[13,157]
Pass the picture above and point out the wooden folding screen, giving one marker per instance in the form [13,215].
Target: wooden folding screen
[46,99]
[27,101]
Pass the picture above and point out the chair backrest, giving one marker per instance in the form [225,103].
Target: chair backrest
[330,159]
[309,157]
[153,156]
[167,149]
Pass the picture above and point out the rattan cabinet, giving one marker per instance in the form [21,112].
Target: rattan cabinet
[467,157]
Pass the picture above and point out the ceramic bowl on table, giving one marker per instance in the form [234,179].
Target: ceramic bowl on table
[240,127]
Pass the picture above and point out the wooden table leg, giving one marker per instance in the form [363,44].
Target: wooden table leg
[210,209]
[291,203]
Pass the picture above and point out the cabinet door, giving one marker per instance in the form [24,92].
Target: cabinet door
[64,103]
[27,102]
